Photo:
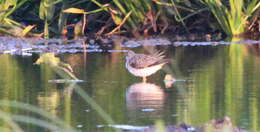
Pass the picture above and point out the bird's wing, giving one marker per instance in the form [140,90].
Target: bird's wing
[141,61]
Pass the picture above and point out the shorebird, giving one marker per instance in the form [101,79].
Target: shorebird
[143,65]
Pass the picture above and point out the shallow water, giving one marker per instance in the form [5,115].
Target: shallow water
[212,82]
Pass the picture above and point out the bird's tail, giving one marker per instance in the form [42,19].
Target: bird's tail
[165,61]
[159,54]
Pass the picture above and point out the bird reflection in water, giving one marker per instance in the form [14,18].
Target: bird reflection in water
[145,100]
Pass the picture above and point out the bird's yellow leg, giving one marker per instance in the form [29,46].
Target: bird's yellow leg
[144,79]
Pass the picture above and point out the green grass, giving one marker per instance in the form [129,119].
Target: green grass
[130,15]
[7,24]
[233,15]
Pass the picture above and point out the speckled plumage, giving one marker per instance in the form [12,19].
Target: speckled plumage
[143,65]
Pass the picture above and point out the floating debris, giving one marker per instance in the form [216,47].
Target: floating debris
[174,115]
[124,127]
[219,125]
[79,126]
[87,110]
[65,81]
[148,110]
[169,80]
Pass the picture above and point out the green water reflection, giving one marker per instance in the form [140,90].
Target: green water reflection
[219,81]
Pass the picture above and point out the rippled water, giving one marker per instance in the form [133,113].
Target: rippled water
[213,81]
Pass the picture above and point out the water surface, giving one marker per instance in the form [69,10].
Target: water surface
[212,82]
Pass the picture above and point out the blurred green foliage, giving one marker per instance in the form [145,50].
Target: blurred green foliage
[146,16]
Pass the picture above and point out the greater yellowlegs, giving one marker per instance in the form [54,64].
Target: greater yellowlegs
[143,65]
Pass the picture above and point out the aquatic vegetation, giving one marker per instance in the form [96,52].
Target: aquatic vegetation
[140,10]
[154,16]
[232,16]
[7,8]
[46,13]
[50,121]
[8,25]
[135,17]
